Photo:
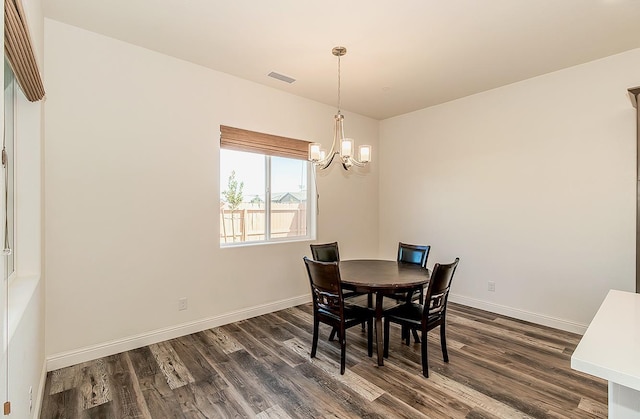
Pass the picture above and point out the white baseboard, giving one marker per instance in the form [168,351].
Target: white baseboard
[520,314]
[89,353]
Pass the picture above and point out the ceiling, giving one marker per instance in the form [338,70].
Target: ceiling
[401,55]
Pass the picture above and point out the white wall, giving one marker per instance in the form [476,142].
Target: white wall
[132,196]
[532,185]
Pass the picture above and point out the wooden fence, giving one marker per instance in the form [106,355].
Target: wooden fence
[248,224]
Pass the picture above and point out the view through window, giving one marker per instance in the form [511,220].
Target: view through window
[9,133]
[263,198]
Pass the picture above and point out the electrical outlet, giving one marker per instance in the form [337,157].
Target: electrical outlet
[492,286]
[182,303]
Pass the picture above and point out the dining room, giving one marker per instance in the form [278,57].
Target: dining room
[529,180]
[494,203]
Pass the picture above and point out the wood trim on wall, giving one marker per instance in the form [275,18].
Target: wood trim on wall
[19,51]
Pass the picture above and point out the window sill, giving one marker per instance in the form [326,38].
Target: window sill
[21,289]
[268,242]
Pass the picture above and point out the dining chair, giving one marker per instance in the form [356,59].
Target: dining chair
[415,255]
[329,307]
[329,252]
[325,252]
[425,316]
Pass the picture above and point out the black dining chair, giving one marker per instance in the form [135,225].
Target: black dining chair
[329,252]
[416,255]
[329,307]
[425,316]
[325,252]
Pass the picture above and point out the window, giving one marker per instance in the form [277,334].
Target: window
[9,106]
[266,194]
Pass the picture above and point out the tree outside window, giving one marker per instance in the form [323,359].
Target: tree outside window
[233,197]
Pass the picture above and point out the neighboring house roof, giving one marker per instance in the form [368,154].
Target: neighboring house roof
[288,197]
[280,197]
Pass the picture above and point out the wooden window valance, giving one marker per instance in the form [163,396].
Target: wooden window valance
[19,51]
[257,142]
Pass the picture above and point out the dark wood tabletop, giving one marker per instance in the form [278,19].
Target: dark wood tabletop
[373,275]
[381,277]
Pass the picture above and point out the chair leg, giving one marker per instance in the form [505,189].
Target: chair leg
[370,336]
[443,342]
[415,336]
[425,360]
[406,331]
[370,305]
[386,338]
[343,350]
[332,335]
[314,344]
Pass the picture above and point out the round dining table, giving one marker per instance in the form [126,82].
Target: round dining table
[381,277]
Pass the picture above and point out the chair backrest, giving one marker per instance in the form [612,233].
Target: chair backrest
[326,286]
[437,294]
[327,252]
[411,253]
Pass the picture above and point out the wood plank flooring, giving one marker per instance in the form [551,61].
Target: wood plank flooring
[498,368]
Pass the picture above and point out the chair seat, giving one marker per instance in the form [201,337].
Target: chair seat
[410,314]
[351,294]
[357,314]
[401,296]
[407,313]
[353,314]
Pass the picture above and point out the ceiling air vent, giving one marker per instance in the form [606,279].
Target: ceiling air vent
[281,77]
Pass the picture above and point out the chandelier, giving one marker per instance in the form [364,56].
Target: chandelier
[342,147]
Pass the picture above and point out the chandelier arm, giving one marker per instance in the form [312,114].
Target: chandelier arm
[357,162]
[323,164]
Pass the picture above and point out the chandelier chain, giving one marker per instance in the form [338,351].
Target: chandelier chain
[339,98]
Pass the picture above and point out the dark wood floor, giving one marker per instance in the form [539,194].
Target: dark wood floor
[499,368]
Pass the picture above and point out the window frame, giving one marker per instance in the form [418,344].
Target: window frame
[270,146]
[9,184]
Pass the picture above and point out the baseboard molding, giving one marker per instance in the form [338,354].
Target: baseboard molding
[520,314]
[89,353]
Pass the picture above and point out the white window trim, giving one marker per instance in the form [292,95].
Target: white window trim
[311,212]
